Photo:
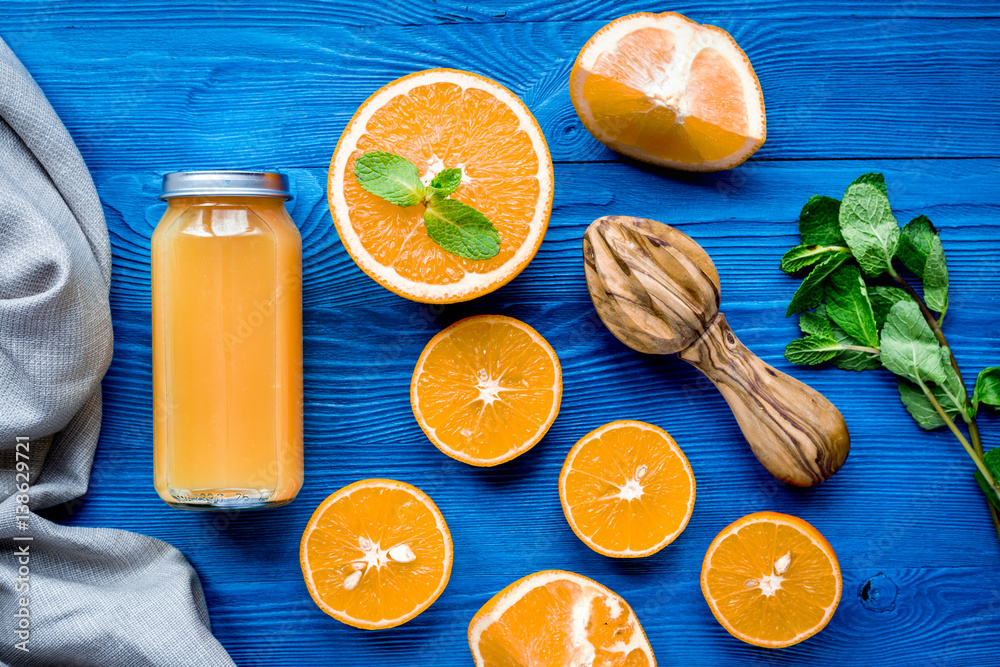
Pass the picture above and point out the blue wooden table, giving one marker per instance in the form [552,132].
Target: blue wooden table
[905,87]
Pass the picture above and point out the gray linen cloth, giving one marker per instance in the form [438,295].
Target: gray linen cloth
[97,596]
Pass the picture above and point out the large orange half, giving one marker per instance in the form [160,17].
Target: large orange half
[376,553]
[438,119]
[661,88]
[771,579]
[558,619]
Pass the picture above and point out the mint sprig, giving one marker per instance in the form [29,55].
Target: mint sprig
[455,226]
[859,313]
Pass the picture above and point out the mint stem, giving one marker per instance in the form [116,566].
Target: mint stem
[978,460]
[968,414]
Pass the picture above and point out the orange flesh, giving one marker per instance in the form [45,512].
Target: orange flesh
[809,587]
[538,630]
[437,126]
[621,92]
[479,360]
[387,517]
[606,472]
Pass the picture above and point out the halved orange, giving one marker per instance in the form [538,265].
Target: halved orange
[486,389]
[627,489]
[556,618]
[438,119]
[376,554]
[771,579]
[663,89]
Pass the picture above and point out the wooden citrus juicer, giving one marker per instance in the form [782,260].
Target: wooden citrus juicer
[658,292]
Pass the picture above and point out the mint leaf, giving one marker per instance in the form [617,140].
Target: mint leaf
[848,306]
[810,292]
[921,252]
[446,182]
[391,177]
[811,350]
[802,256]
[909,348]
[816,323]
[882,299]
[991,460]
[987,390]
[875,179]
[868,226]
[461,229]
[919,407]
[819,222]
[852,360]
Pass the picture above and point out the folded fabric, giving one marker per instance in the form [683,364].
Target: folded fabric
[71,596]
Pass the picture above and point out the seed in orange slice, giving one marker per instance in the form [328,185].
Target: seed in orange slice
[486,389]
[376,554]
[438,119]
[771,579]
[558,619]
[663,89]
[627,489]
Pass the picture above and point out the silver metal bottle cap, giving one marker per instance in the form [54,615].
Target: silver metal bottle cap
[225,183]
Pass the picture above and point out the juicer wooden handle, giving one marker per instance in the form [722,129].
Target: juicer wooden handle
[797,434]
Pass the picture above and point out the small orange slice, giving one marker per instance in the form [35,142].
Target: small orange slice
[627,489]
[376,554]
[486,389]
[558,619]
[663,89]
[438,119]
[771,580]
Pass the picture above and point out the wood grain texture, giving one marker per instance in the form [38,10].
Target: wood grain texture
[793,430]
[238,96]
[193,84]
[107,14]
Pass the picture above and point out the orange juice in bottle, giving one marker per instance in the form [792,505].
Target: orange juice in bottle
[227,342]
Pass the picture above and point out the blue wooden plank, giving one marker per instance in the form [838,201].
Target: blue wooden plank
[904,505]
[35,15]
[244,96]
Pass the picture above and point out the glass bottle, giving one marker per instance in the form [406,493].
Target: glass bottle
[227,342]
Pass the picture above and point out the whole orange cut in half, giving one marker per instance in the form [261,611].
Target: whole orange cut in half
[771,579]
[486,389]
[627,489]
[376,554]
[441,119]
[664,89]
[558,619]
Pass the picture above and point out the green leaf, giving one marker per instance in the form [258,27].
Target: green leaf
[882,299]
[461,229]
[875,179]
[391,177]
[919,406]
[909,348]
[810,292]
[802,256]
[987,390]
[848,306]
[816,323]
[819,222]
[921,252]
[991,460]
[811,350]
[868,226]
[446,182]
[853,360]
